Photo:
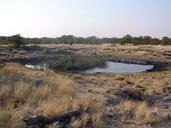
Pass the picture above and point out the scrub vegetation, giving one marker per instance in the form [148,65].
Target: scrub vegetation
[105,100]
[76,62]
[17,40]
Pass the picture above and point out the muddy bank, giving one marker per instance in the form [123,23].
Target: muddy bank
[25,59]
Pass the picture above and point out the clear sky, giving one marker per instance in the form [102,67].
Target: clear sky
[102,18]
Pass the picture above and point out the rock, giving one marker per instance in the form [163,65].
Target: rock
[40,121]
[110,91]
[167,98]
[37,82]
[129,82]
[133,94]
[112,115]
[113,101]
[167,90]
[126,115]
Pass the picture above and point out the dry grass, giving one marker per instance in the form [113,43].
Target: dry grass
[58,94]
[146,114]
[67,88]
[142,113]
[21,91]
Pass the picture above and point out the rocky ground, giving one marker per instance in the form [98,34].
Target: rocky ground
[113,89]
[140,52]
[132,100]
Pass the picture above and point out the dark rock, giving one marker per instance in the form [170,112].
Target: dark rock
[41,121]
[167,98]
[110,91]
[112,115]
[113,101]
[126,115]
[167,90]
[133,94]
[129,82]
[38,82]
[90,90]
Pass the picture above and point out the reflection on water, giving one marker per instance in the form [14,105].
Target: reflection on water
[111,67]
[42,67]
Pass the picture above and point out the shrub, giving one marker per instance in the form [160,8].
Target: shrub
[16,41]
[76,63]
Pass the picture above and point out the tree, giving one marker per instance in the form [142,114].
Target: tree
[114,40]
[126,39]
[155,41]
[137,40]
[67,39]
[3,40]
[91,40]
[147,39]
[16,41]
[166,40]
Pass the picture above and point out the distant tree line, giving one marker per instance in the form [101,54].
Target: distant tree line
[18,41]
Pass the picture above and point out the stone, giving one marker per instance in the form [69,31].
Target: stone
[167,98]
[126,115]
[113,101]
[167,90]
[133,94]
[112,115]
[38,82]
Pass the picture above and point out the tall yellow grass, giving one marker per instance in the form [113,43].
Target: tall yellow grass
[57,95]
[142,113]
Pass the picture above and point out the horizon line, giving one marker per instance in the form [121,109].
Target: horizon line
[83,36]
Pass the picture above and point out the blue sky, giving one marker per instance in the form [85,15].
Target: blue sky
[102,18]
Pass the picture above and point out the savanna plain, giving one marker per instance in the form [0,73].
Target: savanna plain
[100,100]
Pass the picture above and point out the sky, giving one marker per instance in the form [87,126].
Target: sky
[101,18]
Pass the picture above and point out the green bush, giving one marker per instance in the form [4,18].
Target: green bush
[17,41]
[76,62]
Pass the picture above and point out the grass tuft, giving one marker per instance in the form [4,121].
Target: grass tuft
[57,95]
[142,113]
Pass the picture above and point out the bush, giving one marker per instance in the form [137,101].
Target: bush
[17,41]
[76,63]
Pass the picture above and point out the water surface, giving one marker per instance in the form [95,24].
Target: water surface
[111,67]
[114,67]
